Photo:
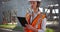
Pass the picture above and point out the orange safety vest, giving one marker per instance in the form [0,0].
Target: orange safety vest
[35,21]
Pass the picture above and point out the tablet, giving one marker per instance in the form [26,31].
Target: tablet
[22,20]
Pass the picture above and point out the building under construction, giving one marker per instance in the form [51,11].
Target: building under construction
[8,11]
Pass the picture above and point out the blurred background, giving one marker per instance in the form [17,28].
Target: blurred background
[10,9]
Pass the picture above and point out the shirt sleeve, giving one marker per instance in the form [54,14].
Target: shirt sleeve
[43,26]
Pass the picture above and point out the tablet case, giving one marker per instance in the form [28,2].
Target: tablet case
[22,20]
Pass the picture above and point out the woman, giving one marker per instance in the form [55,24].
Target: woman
[36,20]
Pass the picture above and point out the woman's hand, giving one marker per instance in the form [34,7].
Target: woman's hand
[29,26]
[32,28]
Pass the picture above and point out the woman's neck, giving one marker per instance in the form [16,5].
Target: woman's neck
[35,10]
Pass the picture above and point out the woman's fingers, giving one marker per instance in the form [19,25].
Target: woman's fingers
[29,26]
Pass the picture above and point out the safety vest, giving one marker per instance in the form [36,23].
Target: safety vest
[34,22]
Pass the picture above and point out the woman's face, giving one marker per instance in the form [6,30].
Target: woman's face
[33,4]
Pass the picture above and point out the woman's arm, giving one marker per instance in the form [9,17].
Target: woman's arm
[43,25]
[27,16]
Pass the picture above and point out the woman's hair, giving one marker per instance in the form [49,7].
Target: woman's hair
[38,3]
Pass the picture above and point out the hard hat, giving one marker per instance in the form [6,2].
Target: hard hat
[34,0]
